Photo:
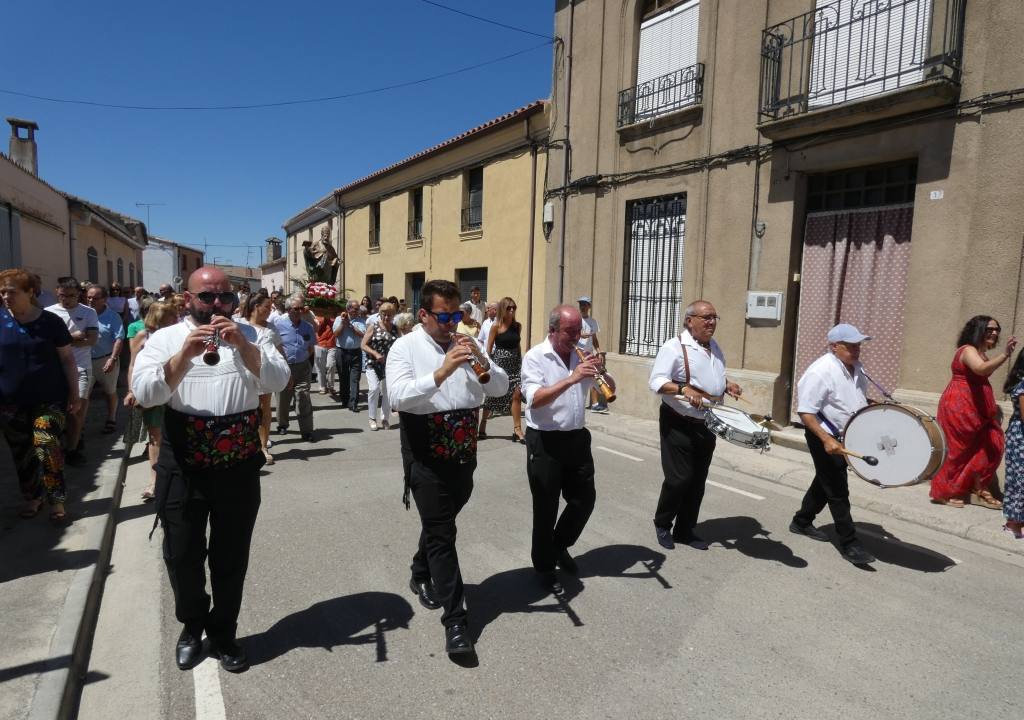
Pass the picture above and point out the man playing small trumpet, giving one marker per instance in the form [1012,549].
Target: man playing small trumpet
[438,396]
[556,381]
[688,371]
[209,461]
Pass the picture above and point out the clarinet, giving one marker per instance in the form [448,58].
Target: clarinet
[211,355]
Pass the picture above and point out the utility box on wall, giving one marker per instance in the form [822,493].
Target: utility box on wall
[764,305]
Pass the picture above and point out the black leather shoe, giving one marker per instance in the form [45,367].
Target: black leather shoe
[808,530]
[282,429]
[425,592]
[457,640]
[857,555]
[549,581]
[665,538]
[308,437]
[567,563]
[232,656]
[189,650]
[694,541]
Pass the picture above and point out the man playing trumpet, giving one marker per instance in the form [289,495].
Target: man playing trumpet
[438,397]
[209,462]
[690,366]
[556,381]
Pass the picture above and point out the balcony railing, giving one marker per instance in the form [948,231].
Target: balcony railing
[852,49]
[661,95]
[472,218]
[415,229]
[375,238]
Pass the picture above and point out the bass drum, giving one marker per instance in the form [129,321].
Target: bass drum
[908,443]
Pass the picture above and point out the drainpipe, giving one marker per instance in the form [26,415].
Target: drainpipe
[566,154]
[340,215]
[533,228]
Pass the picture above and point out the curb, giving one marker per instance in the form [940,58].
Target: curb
[59,689]
[798,477]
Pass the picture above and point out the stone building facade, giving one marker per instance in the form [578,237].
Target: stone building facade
[795,163]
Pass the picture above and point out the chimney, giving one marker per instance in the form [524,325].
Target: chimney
[23,144]
[273,249]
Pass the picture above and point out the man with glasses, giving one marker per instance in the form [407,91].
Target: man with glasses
[349,328]
[438,397]
[829,392]
[298,338]
[83,324]
[106,353]
[688,372]
[208,471]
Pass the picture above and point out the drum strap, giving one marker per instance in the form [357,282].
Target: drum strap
[824,421]
[686,359]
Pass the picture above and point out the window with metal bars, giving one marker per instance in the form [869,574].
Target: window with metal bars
[862,187]
[652,278]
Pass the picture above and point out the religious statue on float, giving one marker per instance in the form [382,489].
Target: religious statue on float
[321,259]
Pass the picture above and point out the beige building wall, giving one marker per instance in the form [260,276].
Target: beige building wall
[43,230]
[510,151]
[966,249]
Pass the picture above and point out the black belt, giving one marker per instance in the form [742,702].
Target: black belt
[102,356]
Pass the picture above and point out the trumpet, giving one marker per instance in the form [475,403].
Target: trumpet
[481,365]
[211,355]
[600,381]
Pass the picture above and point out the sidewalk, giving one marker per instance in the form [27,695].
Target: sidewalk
[793,468]
[51,579]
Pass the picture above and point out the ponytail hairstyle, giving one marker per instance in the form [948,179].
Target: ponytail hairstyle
[1015,375]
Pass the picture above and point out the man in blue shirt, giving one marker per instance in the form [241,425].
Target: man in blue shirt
[106,353]
[348,334]
[298,339]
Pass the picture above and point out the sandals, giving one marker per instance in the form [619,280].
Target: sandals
[109,426]
[1018,532]
[951,502]
[30,510]
[148,495]
[517,435]
[59,518]
[268,457]
[985,499]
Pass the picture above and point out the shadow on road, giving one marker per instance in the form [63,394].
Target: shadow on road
[331,623]
[891,550]
[746,535]
[519,590]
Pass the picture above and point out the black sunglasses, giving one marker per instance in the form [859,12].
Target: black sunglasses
[993,330]
[207,298]
[444,317]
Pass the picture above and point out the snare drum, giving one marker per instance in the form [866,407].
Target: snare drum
[908,443]
[737,427]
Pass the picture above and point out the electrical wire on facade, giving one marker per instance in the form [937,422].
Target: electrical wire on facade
[486,20]
[281,103]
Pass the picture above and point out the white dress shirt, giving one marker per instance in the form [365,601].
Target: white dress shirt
[707,368]
[226,388]
[485,329]
[827,387]
[542,367]
[410,368]
[80,318]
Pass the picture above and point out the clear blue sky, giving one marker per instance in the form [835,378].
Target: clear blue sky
[233,177]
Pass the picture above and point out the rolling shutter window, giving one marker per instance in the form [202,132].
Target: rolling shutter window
[862,49]
[668,42]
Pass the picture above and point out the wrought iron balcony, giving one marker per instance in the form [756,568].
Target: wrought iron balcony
[852,49]
[415,229]
[661,95]
[375,238]
[472,217]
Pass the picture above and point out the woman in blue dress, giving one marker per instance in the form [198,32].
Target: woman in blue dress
[1013,494]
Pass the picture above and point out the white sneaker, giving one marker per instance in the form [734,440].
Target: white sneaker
[373,425]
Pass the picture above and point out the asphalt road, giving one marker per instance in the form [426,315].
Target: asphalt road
[765,624]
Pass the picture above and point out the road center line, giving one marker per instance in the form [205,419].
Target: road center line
[634,458]
[735,490]
[209,701]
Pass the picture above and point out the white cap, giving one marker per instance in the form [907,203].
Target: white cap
[845,332]
[584,299]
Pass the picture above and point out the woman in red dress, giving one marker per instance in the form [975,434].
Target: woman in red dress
[969,417]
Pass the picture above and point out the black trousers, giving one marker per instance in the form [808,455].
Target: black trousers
[440,490]
[227,501]
[687,447]
[350,368]
[558,463]
[829,487]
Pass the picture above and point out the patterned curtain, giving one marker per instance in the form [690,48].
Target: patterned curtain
[855,267]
